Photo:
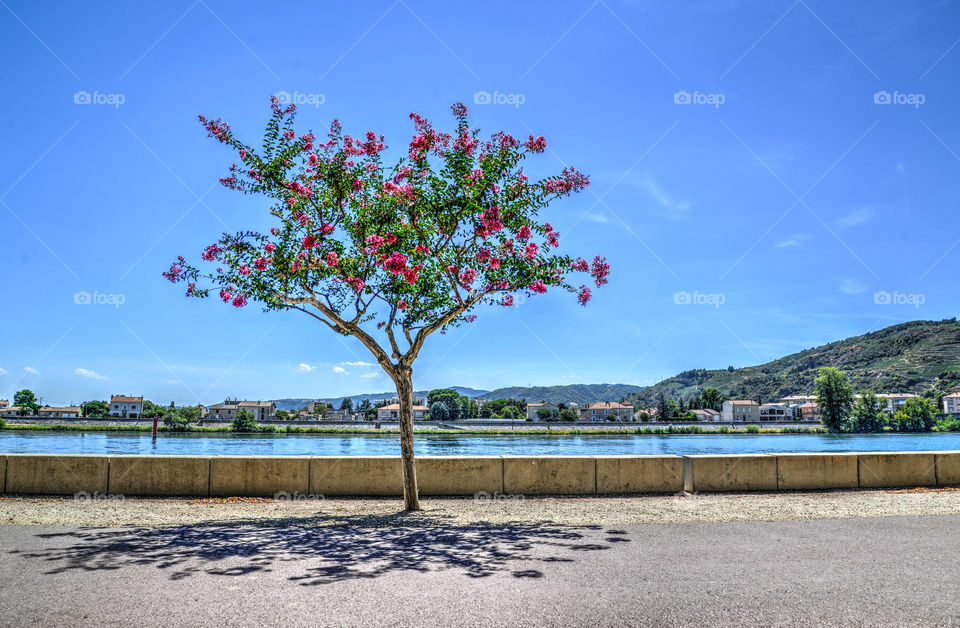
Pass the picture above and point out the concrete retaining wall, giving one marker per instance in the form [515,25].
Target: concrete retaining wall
[639,474]
[511,475]
[948,467]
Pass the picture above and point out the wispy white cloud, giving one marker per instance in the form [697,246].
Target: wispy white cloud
[304,368]
[597,217]
[340,369]
[793,240]
[357,363]
[89,374]
[856,217]
[676,208]
[31,370]
[370,375]
[3,371]
[850,286]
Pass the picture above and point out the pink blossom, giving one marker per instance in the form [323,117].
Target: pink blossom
[495,263]
[524,233]
[332,258]
[421,249]
[244,270]
[191,288]
[226,294]
[581,265]
[289,135]
[600,269]
[260,263]
[570,181]
[240,300]
[411,274]
[356,283]
[309,241]
[584,295]
[507,300]
[326,228]
[552,239]
[374,241]
[211,252]
[174,273]
[470,318]
[537,286]
[467,277]
[536,145]
[402,304]
[530,251]
[216,128]
[270,247]
[396,263]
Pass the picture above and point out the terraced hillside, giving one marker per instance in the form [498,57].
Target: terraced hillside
[910,357]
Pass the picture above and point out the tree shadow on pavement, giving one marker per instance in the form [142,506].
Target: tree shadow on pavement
[332,548]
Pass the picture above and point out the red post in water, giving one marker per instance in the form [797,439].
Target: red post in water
[154,426]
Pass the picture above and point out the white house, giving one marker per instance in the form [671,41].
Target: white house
[740,410]
[607,410]
[532,409]
[951,403]
[706,414]
[67,412]
[126,407]
[391,412]
[777,412]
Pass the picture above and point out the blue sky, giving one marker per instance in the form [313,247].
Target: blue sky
[765,177]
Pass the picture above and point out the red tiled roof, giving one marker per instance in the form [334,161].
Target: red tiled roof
[396,406]
[604,405]
[124,399]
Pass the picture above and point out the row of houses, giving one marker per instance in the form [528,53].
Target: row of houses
[122,406]
[804,407]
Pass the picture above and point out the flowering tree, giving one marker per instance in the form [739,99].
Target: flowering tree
[390,253]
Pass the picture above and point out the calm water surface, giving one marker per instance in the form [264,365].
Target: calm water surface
[462,445]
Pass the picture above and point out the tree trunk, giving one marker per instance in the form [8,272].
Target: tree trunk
[404,383]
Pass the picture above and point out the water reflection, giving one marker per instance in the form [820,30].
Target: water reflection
[462,445]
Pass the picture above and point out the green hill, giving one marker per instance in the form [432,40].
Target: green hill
[910,357]
[577,393]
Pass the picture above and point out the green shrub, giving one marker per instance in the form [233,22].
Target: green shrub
[3,424]
[943,425]
[244,422]
[752,429]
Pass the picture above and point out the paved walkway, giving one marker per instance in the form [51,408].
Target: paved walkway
[869,571]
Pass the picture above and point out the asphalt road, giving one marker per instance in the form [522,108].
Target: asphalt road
[881,571]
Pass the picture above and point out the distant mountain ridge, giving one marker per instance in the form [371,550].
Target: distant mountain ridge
[581,394]
[909,357]
[576,393]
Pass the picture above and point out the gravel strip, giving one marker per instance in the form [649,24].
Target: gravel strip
[454,512]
